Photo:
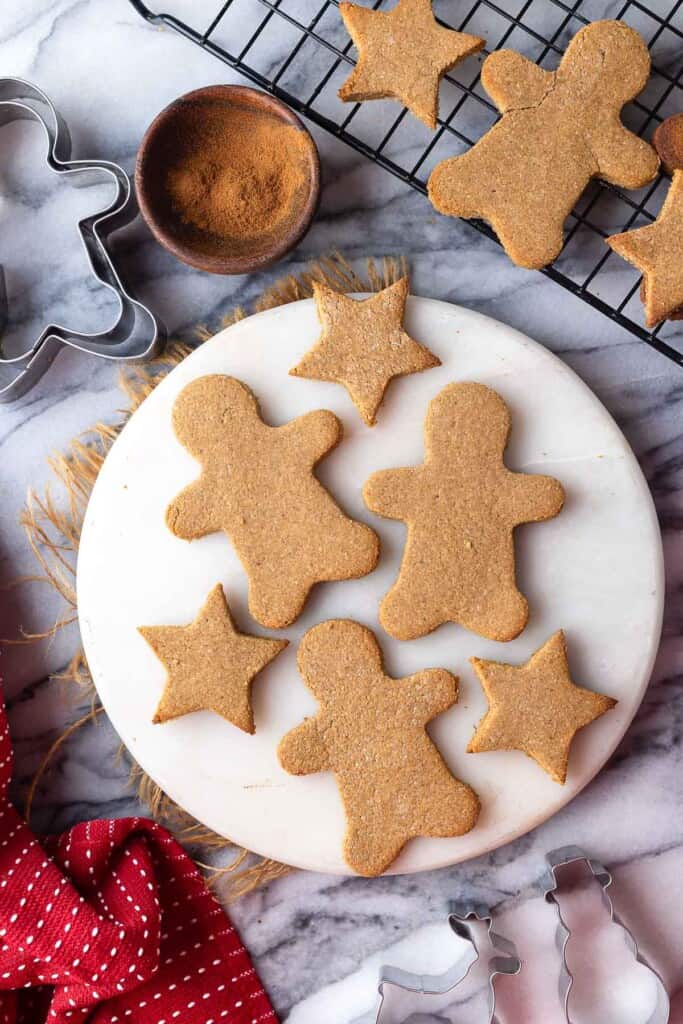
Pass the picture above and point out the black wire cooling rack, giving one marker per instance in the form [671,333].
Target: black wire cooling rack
[300,51]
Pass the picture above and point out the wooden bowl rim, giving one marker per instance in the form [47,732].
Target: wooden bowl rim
[214,264]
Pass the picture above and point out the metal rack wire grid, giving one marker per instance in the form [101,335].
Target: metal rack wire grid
[299,50]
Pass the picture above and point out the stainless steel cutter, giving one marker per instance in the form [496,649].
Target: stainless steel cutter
[563,857]
[137,333]
[462,921]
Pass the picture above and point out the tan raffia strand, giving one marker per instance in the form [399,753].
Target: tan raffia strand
[54,529]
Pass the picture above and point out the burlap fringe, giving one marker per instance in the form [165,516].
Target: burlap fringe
[53,528]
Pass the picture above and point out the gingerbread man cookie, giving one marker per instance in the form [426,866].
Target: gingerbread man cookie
[461,507]
[536,707]
[402,55]
[210,665]
[559,129]
[363,345]
[370,731]
[657,249]
[257,485]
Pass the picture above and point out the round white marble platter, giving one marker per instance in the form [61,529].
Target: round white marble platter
[595,571]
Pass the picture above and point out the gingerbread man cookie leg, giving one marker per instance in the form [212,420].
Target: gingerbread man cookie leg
[370,731]
[657,249]
[461,507]
[257,485]
[558,130]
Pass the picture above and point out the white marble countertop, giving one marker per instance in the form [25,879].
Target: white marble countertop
[317,940]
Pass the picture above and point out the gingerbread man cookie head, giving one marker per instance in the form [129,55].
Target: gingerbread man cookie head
[193,423]
[318,655]
[454,419]
[603,57]
[559,129]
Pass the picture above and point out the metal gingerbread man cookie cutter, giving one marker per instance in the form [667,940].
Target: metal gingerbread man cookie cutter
[462,920]
[137,333]
[563,857]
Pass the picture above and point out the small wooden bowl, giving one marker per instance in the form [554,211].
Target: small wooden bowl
[198,247]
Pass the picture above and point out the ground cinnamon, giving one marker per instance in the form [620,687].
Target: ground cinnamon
[238,173]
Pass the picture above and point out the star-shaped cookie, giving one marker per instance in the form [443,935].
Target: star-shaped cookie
[402,54]
[209,664]
[363,345]
[536,707]
[657,249]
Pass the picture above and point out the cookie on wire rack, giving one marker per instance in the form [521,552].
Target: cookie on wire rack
[403,54]
[657,249]
[558,130]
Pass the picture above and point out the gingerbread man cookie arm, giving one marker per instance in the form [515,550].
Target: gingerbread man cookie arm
[389,492]
[429,693]
[190,515]
[535,497]
[624,61]
[512,81]
[302,751]
[317,434]
[623,159]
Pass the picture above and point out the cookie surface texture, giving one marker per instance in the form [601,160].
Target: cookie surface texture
[257,485]
[558,130]
[402,54]
[461,507]
[657,249]
[370,731]
[535,707]
[363,345]
[210,666]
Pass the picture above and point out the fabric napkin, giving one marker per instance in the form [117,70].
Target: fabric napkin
[112,922]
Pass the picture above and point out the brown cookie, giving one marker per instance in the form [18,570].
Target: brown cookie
[370,731]
[461,507]
[536,707]
[559,129]
[363,345]
[257,485]
[402,55]
[668,141]
[657,249]
[210,665]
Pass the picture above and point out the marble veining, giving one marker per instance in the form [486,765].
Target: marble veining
[317,940]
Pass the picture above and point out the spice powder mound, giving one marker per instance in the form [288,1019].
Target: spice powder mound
[238,174]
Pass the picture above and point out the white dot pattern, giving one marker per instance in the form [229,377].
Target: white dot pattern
[112,922]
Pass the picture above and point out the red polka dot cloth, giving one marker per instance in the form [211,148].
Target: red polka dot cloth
[112,922]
